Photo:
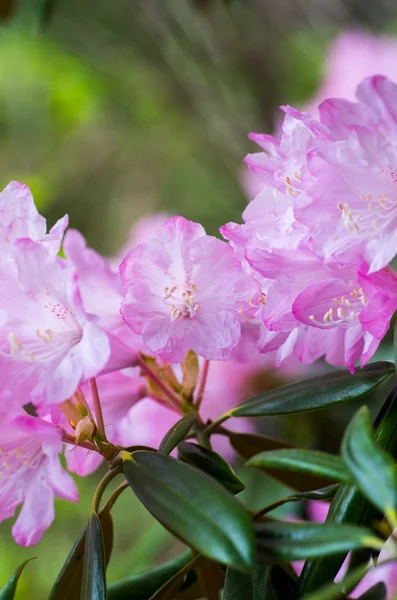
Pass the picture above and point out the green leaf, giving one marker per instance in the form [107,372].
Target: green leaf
[93,586]
[322,494]
[299,460]
[171,588]
[284,541]
[213,464]
[318,392]
[176,434]
[373,469]
[248,445]
[376,592]
[334,591]
[68,583]
[268,582]
[193,506]
[143,585]
[8,590]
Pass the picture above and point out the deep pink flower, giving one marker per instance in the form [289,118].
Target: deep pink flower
[31,475]
[184,291]
[48,343]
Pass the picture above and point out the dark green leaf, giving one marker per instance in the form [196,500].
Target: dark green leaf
[349,506]
[376,592]
[317,392]
[373,469]
[143,585]
[68,583]
[284,541]
[213,464]
[299,460]
[8,590]
[93,586]
[334,591]
[248,444]
[176,434]
[322,494]
[194,507]
[268,582]
[171,588]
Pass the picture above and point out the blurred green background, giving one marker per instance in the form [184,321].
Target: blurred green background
[110,110]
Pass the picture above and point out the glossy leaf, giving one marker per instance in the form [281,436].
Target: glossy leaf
[143,585]
[248,445]
[322,494]
[268,582]
[93,586]
[176,434]
[193,506]
[318,392]
[334,591]
[372,468]
[299,460]
[7,592]
[68,583]
[376,592]
[170,589]
[212,463]
[285,541]
[349,505]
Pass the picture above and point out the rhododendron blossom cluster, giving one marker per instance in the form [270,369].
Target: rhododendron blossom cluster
[87,346]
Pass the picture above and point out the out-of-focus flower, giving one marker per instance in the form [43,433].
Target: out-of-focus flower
[48,343]
[31,475]
[184,291]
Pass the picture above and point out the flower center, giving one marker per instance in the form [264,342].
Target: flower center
[345,310]
[14,460]
[181,300]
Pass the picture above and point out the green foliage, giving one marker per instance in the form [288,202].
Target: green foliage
[373,469]
[318,392]
[8,590]
[212,463]
[93,585]
[176,434]
[268,582]
[302,461]
[194,507]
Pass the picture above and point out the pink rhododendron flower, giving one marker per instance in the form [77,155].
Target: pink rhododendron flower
[102,293]
[184,291]
[20,219]
[48,343]
[31,475]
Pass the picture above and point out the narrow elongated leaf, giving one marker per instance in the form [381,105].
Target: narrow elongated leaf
[349,505]
[372,468]
[284,541]
[322,494]
[376,592]
[248,445]
[143,585]
[194,507]
[7,592]
[93,586]
[317,392]
[299,460]
[68,583]
[334,591]
[213,464]
[268,582]
[176,434]
[170,589]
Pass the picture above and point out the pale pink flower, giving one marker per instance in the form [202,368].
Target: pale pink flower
[31,475]
[48,344]
[19,219]
[184,291]
[141,232]
[102,293]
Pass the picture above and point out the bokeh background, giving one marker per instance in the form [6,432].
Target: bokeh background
[111,110]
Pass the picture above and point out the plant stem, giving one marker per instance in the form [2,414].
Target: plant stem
[212,426]
[106,479]
[70,439]
[109,504]
[165,388]
[97,408]
[202,382]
